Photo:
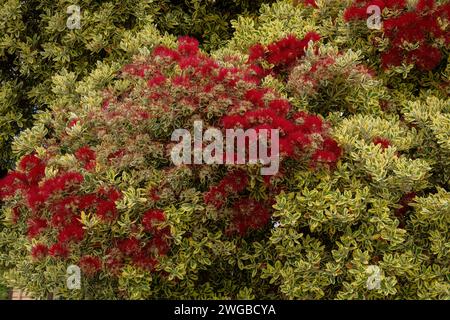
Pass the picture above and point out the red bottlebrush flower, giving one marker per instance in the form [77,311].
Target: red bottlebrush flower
[137,70]
[425,57]
[64,182]
[256,52]
[90,265]
[299,139]
[39,251]
[129,246]
[11,183]
[248,214]
[332,146]
[280,106]
[86,156]
[58,250]
[311,36]
[165,52]
[117,154]
[150,217]
[159,245]
[312,124]
[285,52]
[114,262]
[234,121]
[425,5]
[16,214]
[384,143]
[392,57]
[156,81]
[154,195]
[29,162]
[216,197]
[144,261]
[256,96]
[111,194]
[234,182]
[106,210]
[72,232]
[355,13]
[187,46]
[87,201]
[311,3]
[72,123]
[395,4]
[36,226]
[105,104]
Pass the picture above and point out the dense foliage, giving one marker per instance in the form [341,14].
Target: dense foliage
[36,44]
[364,175]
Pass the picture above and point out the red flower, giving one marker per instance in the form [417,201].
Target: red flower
[384,143]
[39,251]
[256,52]
[159,246]
[106,210]
[311,3]
[256,96]
[151,217]
[425,57]
[58,250]
[11,183]
[249,214]
[312,124]
[165,52]
[72,123]
[216,197]
[187,46]
[144,261]
[280,106]
[90,265]
[156,81]
[72,232]
[392,57]
[234,121]
[355,13]
[36,226]
[129,246]
[425,5]
[86,156]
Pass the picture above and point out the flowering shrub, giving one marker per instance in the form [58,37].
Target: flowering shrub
[364,170]
[79,212]
[415,36]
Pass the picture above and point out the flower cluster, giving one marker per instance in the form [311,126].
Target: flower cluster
[177,86]
[233,183]
[414,36]
[282,54]
[302,136]
[56,203]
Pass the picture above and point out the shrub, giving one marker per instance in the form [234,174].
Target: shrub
[101,192]
[94,184]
